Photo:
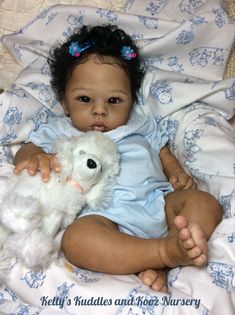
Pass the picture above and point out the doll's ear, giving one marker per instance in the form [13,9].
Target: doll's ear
[65,108]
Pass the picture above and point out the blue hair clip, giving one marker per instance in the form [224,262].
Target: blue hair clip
[75,49]
[127,53]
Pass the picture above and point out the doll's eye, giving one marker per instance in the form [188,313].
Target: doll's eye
[84,99]
[114,100]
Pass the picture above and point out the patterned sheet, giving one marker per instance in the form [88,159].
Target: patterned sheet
[184,86]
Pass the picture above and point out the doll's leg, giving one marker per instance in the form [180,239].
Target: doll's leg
[95,243]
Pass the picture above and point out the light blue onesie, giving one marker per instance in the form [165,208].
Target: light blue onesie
[138,200]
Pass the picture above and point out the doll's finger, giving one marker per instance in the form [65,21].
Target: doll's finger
[190,184]
[194,185]
[173,180]
[45,169]
[182,179]
[55,165]
[178,186]
[184,182]
[32,166]
[19,167]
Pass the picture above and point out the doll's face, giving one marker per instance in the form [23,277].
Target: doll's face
[98,96]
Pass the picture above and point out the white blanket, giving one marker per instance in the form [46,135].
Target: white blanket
[186,45]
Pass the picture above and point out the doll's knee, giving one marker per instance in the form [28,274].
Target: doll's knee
[193,203]
[205,202]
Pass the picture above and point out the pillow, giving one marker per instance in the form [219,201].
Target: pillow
[15,14]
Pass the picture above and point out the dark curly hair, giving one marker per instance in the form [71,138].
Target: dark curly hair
[105,41]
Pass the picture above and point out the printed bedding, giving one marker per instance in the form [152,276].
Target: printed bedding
[186,45]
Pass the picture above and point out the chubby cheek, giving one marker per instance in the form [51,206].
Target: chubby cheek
[126,114]
[78,119]
[120,120]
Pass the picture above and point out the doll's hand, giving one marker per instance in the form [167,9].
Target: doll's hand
[41,162]
[181,180]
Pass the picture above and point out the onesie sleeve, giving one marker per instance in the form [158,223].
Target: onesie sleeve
[45,135]
[157,134]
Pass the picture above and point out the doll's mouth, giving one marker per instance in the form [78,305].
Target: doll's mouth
[98,126]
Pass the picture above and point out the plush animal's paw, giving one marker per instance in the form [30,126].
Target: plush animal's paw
[19,213]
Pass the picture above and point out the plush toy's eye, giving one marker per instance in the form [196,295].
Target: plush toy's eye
[91,163]
[81,152]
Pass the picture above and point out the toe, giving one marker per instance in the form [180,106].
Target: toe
[159,288]
[148,277]
[195,252]
[180,222]
[155,279]
[158,284]
[200,260]
[188,244]
[185,234]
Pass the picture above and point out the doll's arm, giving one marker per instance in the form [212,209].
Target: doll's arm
[33,158]
[174,172]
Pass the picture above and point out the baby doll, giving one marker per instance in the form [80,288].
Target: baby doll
[96,75]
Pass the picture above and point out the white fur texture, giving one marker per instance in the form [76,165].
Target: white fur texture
[32,211]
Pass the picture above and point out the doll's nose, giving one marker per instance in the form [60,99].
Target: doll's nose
[91,163]
[99,109]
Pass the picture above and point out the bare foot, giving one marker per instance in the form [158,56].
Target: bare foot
[192,237]
[155,279]
[187,247]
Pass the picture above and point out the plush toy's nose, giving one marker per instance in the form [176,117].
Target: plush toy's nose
[91,163]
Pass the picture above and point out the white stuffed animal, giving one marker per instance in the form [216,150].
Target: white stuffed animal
[32,211]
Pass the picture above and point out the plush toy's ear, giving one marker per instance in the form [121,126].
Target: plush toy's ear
[100,195]
[64,154]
